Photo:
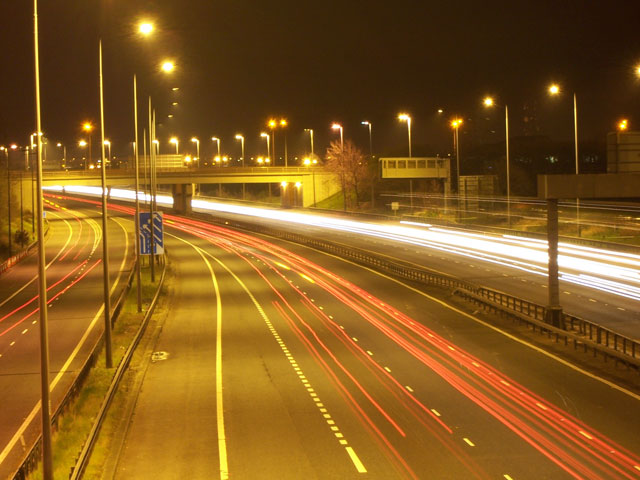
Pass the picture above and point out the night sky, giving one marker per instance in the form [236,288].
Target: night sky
[240,62]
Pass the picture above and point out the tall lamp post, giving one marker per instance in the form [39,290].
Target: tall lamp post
[64,153]
[554,89]
[105,243]
[310,130]
[337,126]
[47,456]
[455,123]
[266,136]
[175,141]
[488,102]
[217,140]
[283,125]
[241,138]
[272,124]
[88,127]
[6,153]
[368,124]
[404,117]
[107,144]
[197,142]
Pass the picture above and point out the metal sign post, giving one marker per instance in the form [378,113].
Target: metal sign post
[145,233]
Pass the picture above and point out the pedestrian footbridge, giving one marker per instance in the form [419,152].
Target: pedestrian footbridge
[298,186]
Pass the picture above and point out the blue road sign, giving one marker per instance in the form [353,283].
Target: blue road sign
[145,233]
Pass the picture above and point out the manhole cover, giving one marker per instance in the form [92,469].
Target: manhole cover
[157,356]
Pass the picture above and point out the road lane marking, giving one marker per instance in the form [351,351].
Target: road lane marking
[497,330]
[314,396]
[48,264]
[409,388]
[508,477]
[469,442]
[435,412]
[356,460]
[222,440]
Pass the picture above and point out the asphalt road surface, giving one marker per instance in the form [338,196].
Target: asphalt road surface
[277,361]
[75,299]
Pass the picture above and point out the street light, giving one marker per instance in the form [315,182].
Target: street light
[107,144]
[266,136]
[145,28]
[488,102]
[455,123]
[337,126]
[554,89]
[310,130]
[88,127]
[175,141]
[241,138]
[403,117]
[368,124]
[283,125]
[217,140]
[6,153]
[197,142]
[623,125]
[272,124]
[168,66]
[64,153]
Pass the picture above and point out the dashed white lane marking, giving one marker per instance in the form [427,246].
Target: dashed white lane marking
[25,331]
[435,412]
[370,353]
[409,388]
[469,442]
[387,369]
[312,393]
[508,477]
[621,309]
[12,343]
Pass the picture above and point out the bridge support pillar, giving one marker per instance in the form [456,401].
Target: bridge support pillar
[182,194]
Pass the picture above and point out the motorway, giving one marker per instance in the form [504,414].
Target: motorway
[283,362]
[601,286]
[75,299]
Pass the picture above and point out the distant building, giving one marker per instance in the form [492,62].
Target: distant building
[623,152]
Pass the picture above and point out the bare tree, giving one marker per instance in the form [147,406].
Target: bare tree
[350,165]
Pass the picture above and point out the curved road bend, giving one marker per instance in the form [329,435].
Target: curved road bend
[75,296]
[286,363]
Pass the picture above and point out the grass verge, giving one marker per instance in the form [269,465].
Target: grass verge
[76,421]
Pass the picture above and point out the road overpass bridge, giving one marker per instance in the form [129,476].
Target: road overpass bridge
[298,186]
